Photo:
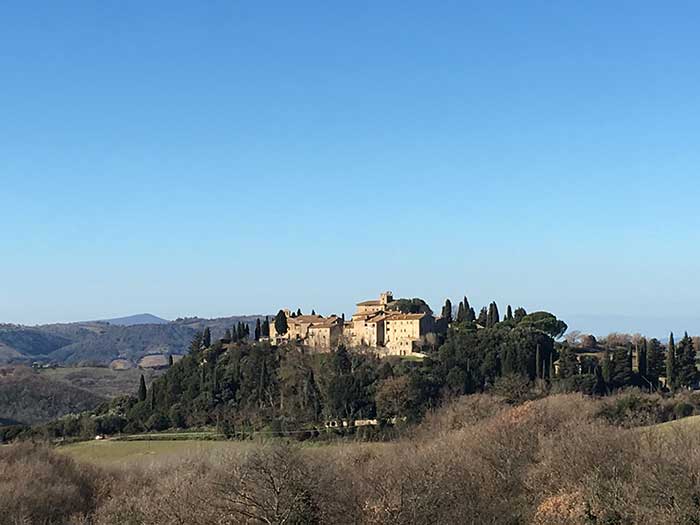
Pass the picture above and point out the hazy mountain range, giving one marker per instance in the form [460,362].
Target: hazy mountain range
[100,342]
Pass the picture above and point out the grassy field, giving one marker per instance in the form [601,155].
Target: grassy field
[119,452]
[687,424]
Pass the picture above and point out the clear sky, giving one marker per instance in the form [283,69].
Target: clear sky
[229,157]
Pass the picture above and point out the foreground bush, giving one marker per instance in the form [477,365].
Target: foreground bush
[478,461]
[39,486]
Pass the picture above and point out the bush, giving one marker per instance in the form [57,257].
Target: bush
[682,410]
[40,486]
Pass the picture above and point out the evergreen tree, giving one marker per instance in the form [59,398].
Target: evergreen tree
[196,344]
[509,313]
[266,327]
[227,335]
[483,317]
[655,361]
[240,329]
[671,364]
[538,361]
[447,311]
[170,360]
[298,312]
[687,371]
[142,389]
[281,326]
[519,314]
[206,338]
[313,312]
[492,316]
[641,348]
[621,369]
[461,313]
[467,307]
[258,329]
[568,363]
[471,315]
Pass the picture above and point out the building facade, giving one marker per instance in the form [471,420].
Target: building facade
[376,324]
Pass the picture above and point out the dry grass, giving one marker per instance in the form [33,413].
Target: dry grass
[478,461]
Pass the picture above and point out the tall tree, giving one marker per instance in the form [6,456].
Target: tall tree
[447,311]
[621,370]
[461,313]
[142,389]
[313,312]
[266,327]
[206,338]
[471,315]
[671,363]
[483,317]
[281,326]
[492,316]
[258,329]
[227,335]
[298,312]
[519,314]
[509,313]
[687,372]
[655,361]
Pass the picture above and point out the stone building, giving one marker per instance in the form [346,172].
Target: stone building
[375,324]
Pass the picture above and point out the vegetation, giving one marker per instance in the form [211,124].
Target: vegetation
[478,459]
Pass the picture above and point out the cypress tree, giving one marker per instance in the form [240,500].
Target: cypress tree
[687,371]
[466,304]
[170,360]
[471,315]
[313,312]
[671,363]
[266,327]
[461,314]
[642,358]
[519,314]
[655,361]
[298,312]
[227,335]
[206,338]
[538,361]
[483,317]
[281,326]
[258,329]
[509,313]
[142,389]
[447,311]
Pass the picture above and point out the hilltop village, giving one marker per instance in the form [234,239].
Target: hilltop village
[392,327]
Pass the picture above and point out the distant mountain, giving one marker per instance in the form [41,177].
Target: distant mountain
[132,320]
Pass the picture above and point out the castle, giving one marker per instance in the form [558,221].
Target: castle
[376,324]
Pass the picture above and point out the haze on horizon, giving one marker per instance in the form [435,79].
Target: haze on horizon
[233,159]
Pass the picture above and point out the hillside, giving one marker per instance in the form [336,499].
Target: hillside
[28,397]
[100,342]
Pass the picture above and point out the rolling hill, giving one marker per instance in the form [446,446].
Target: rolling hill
[100,342]
[28,397]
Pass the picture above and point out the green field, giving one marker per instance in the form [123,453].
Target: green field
[120,452]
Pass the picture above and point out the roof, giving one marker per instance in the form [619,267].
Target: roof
[373,302]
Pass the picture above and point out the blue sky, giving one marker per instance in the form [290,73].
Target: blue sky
[236,157]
